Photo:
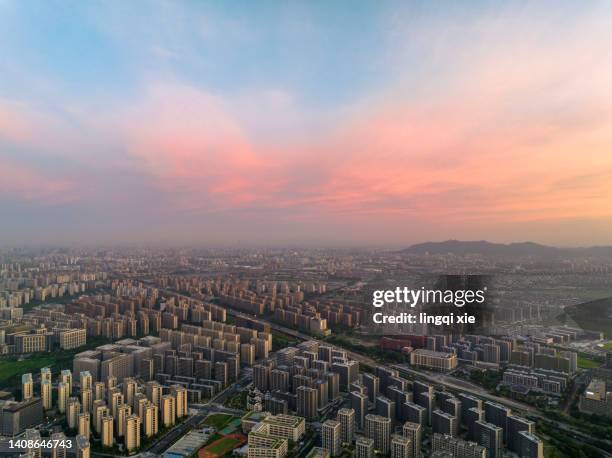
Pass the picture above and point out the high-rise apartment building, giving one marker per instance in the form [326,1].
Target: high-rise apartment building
[84,427]
[491,437]
[132,433]
[180,394]
[107,435]
[168,410]
[331,437]
[46,394]
[27,387]
[307,402]
[401,446]
[364,448]
[378,429]
[346,417]
[413,431]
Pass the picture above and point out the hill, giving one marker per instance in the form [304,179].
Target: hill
[522,249]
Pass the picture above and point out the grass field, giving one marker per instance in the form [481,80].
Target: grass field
[607,346]
[11,368]
[585,363]
[218,420]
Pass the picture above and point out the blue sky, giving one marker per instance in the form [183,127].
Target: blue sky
[304,120]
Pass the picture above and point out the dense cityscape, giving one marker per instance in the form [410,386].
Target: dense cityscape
[266,353]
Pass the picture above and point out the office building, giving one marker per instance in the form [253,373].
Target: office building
[264,445]
[433,360]
[289,427]
[19,416]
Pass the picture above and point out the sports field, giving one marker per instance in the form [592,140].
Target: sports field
[223,446]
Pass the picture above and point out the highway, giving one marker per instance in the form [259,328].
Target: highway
[456,384]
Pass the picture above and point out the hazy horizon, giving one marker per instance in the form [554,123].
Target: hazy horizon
[375,124]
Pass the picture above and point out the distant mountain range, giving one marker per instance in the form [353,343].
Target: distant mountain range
[522,249]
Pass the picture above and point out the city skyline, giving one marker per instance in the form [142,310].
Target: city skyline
[382,124]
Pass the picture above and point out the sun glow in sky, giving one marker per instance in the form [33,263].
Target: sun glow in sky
[376,123]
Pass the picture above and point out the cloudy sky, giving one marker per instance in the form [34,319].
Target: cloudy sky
[314,122]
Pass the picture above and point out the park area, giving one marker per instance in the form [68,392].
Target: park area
[585,363]
[9,368]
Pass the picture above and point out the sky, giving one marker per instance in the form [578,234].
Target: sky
[375,123]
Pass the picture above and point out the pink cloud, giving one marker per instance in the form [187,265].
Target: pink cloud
[450,161]
[24,184]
